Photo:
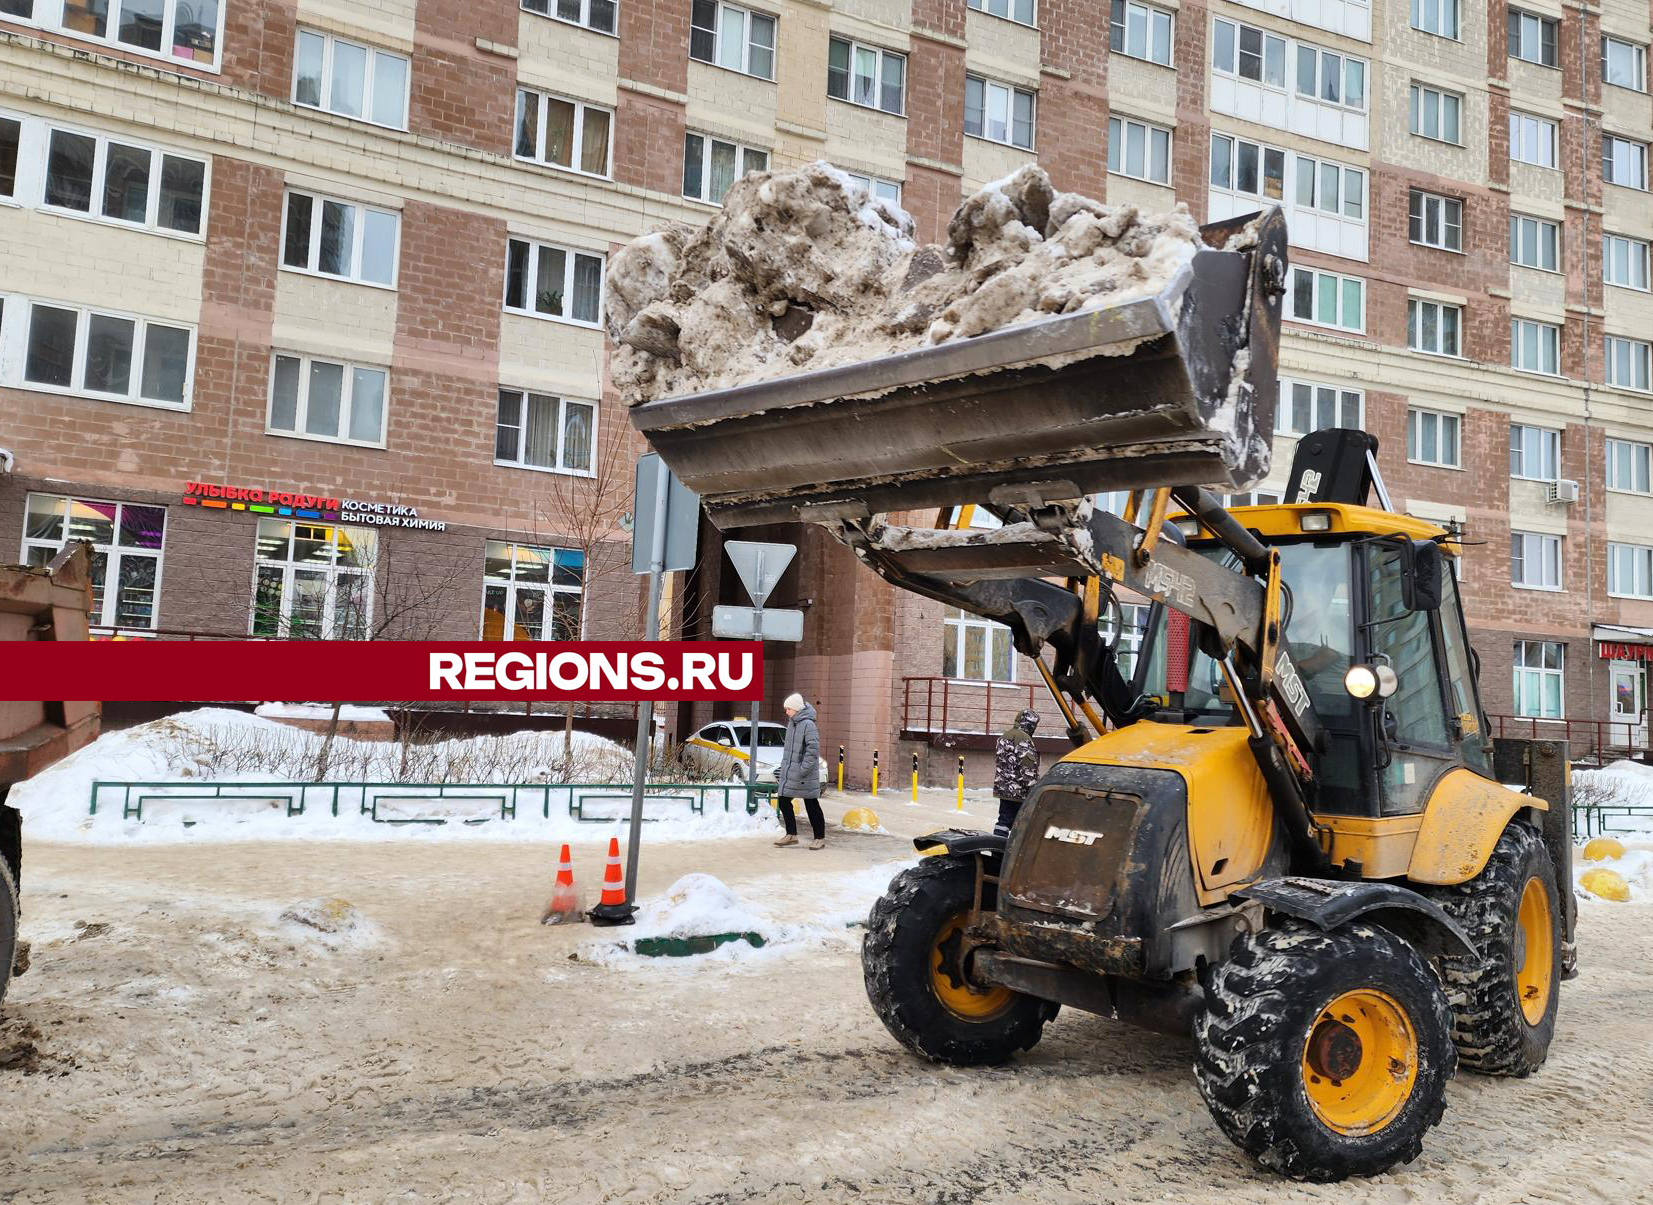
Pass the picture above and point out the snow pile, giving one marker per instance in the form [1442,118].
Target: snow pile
[697,905]
[349,713]
[1621,784]
[330,922]
[801,270]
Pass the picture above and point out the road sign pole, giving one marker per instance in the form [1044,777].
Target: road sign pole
[645,709]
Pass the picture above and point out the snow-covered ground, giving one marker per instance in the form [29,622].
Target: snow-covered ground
[1621,784]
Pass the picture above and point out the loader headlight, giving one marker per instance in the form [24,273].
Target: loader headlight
[1361,681]
[1317,520]
[1388,681]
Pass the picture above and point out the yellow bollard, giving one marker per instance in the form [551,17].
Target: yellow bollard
[1605,884]
[915,778]
[961,782]
[1603,849]
[840,769]
[875,773]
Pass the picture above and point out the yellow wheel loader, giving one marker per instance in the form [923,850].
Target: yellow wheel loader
[1284,833]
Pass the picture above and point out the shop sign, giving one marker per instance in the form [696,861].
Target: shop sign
[297,505]
[389,514]
[1608,651]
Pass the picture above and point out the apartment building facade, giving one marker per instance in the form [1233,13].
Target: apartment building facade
[300,314]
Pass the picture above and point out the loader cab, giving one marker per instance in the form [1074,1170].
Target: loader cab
[1368,588]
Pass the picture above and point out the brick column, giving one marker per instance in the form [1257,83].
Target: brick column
[654,85]
[1073,95]
[1191,146]
[464,73]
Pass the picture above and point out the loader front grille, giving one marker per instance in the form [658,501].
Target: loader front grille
[1068,858]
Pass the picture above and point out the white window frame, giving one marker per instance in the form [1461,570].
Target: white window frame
[1629,466]
[358,240]
[365,538]
[554,10]
[1438,17]
[1448,220]
[1415,309]
[955,632]
[851,75]
[347,400]
[1445,100]
[105,613]
[536,248]
[1321,398]
[1263,151]
[521,428]
[576,152]
[515,588]
[1537,675]
[34,166]
[748,45]
[1546,235]
[1540,561]
[1120,130]
[17,321]
[49,14]
[1324,61]
[1350,188]
[1629,363]
[1419,420]
[1534,140]
[1634,171]
[742,167]
[1634,561]
[1545,445]
[1638,63]
[1522,26]
[1624,262]
[1009,92]
[877,187]
[1548,346]
[1126,17]
[1235,62]
[370,70]
[1008,10]
[1339,281]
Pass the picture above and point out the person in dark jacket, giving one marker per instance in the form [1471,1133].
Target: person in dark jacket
[799,774]
[1015,768]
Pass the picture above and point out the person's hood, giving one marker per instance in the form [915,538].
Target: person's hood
[806,712]
[1028,721]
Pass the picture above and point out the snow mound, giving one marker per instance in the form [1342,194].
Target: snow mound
[697,905]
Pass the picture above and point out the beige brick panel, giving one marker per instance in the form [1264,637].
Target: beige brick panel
[1141,89]
[986,161]
[564,58]
[334,318]
[867,140]
[557,357]
[103,265]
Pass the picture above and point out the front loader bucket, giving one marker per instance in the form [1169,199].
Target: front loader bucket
[1176,388]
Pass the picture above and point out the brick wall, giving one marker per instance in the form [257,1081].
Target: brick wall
[460,91]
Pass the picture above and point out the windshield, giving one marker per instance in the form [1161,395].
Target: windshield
[770,736]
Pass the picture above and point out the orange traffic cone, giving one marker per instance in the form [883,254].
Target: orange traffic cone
[613,909]
[565,901]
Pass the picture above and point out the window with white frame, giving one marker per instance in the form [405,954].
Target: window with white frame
[113,356]
[1247,167]
[1331,77]
[1435,221]
[1248,53]
[1628,465]
[736,38]
[1434,327]
[1308,406]
[976,649]
[866,76]
[1141,31]
[127,544]
[1532,38]
[97,176]
[1330,188]
[1623,64]
[330,237]
[1535,243]
[1535,346]
[711,165]
[1535,560]
[593,14]
[325,399]
[1629,363]
[1534,140]
[313,581]
[11,142]
[1539,669]
[1020,11]
[1624,261]
[1328,299]
[1436,114]
[553,282]
[185,32]
[1252,498]
[1139,150]
[1629,570]
[877,187]
[531,593]
[1438,17]
[1432,437]
[538,431]
[1623,162]
[1535,453]
[998,112]
[350,79]
[563,133]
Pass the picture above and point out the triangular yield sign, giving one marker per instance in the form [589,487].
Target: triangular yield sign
[760,565]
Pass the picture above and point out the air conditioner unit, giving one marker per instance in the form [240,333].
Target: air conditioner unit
[1561,491]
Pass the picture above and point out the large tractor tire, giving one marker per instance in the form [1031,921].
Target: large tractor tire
[912,959]
[1503,1011]
[8,925]
[1324,1055]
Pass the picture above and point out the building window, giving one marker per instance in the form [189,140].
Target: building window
[1331,188]
[1432,438]
[1248,167]
[1624,261]
[1327,299]
[976,649]
[1248,52]
[1623,64]
[118,357]
[1306,407]
[1534,140]
[1628,363]
[313,580]
[731,37]
[1628,466]
[1623,162]
[563,133]
[1535,453]
[1020,11]
[1535,346]
[1141,31]
[998,112]
[340,238]
[11,141]
[1538,678]
[1435,221]
[876,187]
[1436,16]
[593,14]
[96,176]
[1532,38]
[553,282]
[538,431]
[351,80]
[323,399]
[1330,78]
[1535,561]
[186,32]
[1436,114]
[523,585]
[1535,243]
[867,76]
[127,544]
[1434,327]
[711,165]
[1139,150]
[1629,570]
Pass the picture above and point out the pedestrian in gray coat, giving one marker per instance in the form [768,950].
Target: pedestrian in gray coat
[799,774]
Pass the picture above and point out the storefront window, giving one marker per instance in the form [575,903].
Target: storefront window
[126,552]
[313,581]
[531,593]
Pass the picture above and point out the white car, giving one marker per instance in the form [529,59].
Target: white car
[722,746]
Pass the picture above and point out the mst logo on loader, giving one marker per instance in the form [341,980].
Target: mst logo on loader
[1073,836]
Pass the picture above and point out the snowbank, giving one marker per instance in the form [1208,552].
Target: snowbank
[349,713]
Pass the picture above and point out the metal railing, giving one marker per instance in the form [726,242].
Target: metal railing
[1596,741]
[938,706]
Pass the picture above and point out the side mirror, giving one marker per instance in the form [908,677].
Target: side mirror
[1422,563]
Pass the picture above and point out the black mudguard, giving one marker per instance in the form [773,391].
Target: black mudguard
[1329,903]
[962,841]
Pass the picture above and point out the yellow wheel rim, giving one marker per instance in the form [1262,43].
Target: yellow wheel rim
[1360,1060]
[1534,952]
[955,992]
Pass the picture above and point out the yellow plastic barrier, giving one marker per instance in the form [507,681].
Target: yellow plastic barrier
[861,820]
[1603,849]
[1606,884]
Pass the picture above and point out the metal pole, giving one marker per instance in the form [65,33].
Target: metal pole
[645,709]
[757,709]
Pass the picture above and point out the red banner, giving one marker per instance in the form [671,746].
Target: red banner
[388,670]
